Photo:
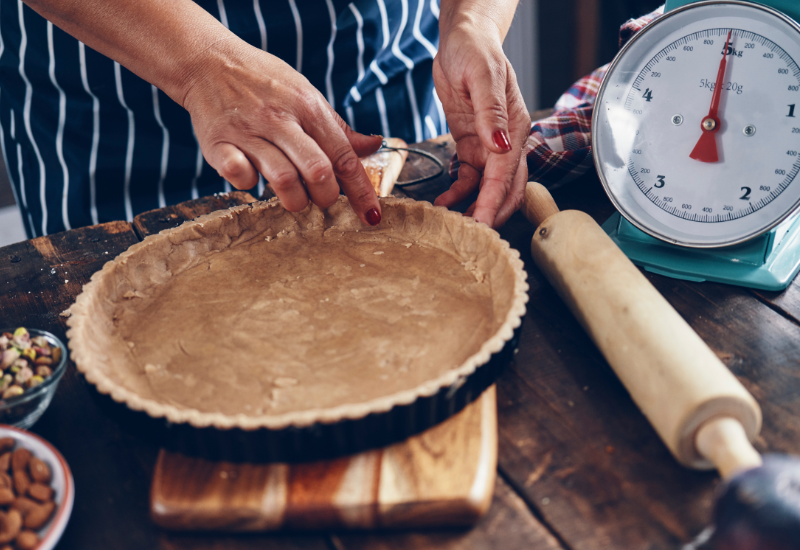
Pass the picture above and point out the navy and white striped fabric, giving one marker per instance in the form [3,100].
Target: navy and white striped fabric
[86,141]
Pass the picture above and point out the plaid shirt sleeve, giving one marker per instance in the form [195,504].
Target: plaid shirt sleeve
[559,148]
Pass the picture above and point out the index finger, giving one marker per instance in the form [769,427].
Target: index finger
[330,134]
[497,180]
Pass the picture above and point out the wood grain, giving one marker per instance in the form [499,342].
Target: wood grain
[573,443]
[149,223]
[442,477]
[507,525]
[40,278]
[573,448]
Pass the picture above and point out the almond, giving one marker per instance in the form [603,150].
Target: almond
[27,540]
[6,444]
[24,505]
[10,525]
[19,459]
[41,492]
[21,482]
[39,515]
[38,469]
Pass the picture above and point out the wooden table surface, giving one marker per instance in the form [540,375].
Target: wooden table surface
[579,466]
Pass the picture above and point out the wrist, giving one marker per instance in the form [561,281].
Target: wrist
[472,26]
[490,19]
[203,65]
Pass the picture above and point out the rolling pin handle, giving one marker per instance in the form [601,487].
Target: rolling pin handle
[539,204]
[724,443]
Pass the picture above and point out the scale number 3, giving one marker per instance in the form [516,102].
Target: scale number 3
[746,196]
[660,182]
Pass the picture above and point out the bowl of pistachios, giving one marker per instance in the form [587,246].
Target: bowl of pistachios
[31,364]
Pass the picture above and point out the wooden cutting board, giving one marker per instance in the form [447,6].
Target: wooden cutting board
[441,477]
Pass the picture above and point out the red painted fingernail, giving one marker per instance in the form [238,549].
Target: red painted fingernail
[373,216]
[501,140]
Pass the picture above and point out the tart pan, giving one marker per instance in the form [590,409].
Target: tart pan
[103,358]
[319,441]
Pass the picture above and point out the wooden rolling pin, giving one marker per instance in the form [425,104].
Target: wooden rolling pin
[699,409]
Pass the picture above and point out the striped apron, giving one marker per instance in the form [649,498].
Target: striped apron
[86,141]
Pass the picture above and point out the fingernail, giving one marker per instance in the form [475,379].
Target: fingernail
[501,140]
[373,216]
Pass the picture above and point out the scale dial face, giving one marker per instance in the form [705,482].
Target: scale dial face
[649,115]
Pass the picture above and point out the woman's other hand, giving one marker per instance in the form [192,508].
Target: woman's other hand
[484,107]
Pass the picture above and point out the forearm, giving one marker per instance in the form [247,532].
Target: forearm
[166,43]
[477,13]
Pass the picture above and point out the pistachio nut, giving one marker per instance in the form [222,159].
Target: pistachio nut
[4,343]
[40,351]
[23,375]
[40,341]
[29,354]
[13,391]
[22,338]
[6,381]
[44,371]
[34,381]
[9,356]
[46,361]
[56,355]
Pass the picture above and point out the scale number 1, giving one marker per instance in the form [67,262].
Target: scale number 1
[791,110]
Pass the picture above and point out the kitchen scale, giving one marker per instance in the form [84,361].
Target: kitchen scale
[696,138]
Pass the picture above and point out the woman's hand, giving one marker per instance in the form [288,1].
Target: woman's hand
[253,113]
[487,118]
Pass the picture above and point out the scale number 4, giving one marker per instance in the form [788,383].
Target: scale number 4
[648,95]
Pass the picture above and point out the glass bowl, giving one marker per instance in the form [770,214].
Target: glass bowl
[22,411]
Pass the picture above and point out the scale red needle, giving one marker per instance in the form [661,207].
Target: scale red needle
[706,148]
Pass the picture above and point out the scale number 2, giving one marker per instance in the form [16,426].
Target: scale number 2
[746,196]
[660,182]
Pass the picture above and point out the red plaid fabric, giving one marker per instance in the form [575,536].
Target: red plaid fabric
[559,148]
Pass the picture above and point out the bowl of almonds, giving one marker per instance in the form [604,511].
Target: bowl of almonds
[31,364]
[36,491]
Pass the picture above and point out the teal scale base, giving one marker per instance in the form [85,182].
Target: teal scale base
[768,262]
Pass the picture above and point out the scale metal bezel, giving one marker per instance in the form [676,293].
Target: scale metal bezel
[596,113]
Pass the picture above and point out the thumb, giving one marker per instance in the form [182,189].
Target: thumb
[487,89]
[363,145]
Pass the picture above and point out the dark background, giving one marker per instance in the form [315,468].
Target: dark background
[575,36]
